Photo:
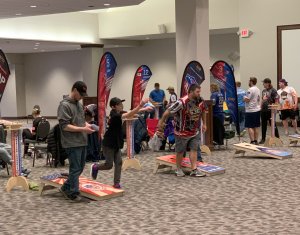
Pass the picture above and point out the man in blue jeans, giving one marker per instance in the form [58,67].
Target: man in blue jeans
[74,132]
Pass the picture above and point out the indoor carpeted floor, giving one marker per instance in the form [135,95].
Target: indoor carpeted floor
[254,196]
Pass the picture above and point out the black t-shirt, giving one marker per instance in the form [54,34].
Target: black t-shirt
[271,95]
[113,137]
[35,124]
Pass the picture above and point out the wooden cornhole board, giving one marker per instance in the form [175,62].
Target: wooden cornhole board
[169,161]
[260,151]
[294,139]
[88,188]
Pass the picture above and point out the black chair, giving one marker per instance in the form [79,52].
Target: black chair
[39,143]
[4,165]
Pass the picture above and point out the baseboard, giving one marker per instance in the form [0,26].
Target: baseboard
[27,117]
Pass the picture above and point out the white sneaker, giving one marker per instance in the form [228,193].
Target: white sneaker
[179,172]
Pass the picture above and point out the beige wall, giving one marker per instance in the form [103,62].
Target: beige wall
[259,52]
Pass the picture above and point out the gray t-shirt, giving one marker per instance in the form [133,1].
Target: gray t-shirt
[253,105]
[71,112]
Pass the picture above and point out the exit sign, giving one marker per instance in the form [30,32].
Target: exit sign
[245,33]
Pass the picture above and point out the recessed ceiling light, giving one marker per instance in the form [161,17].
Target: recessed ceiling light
[116,45]
[78,48]
[43,50]
[106,4]
[35,48]
[147,38]
[18,14]
[32,6]
[37,43]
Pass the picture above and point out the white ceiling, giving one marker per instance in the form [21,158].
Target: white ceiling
[11,8]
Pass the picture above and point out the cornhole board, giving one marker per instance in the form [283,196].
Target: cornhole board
[294,139]
[260,151]
[169,161]
[87,187]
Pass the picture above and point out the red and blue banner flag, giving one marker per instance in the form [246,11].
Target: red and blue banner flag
[141,78]
[4,73]
[107,69]
[223,75]
[193,74]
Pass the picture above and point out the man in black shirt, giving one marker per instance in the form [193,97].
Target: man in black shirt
[113,139]
[269,96]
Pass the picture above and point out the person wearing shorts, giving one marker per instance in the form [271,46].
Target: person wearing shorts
[288,101]
[187,112]
[252,115]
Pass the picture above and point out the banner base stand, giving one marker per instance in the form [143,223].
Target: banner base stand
[205,149]
[273,141]
[131,163]
[17,181]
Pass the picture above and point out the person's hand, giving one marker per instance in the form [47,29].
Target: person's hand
[144,101]
[204,128]
[149,109]
[265,97]
[88,129]
[295,107]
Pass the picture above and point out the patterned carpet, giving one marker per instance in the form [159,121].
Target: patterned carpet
[254,196]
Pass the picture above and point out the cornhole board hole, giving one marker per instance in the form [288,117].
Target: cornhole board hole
[87,187]
[169,162]
[260,151]
[294,139]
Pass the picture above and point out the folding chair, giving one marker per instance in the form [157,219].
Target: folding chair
[40,141]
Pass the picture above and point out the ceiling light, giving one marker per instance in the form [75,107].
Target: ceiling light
[106,4]
[37,43]
[33,6]
[43,50]
[35,48]
[147,38]
[18,14]
[116,45]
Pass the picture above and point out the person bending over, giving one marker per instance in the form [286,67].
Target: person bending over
[187,111]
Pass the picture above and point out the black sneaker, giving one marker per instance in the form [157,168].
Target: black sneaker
[262,141]
[78,199]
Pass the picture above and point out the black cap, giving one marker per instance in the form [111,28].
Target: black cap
[80,87]
[267,80]
[283,81]
[115,101]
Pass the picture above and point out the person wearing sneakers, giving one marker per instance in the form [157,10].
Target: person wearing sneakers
[269,96]
[74,130]
[252,115]
[113,140]
[288,101]
[188,112]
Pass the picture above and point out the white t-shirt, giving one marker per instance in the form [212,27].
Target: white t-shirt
[286,97]
[253,94]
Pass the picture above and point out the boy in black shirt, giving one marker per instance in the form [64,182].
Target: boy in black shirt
[113,139]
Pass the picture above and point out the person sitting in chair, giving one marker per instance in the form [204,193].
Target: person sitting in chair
[31,134]
[7,159]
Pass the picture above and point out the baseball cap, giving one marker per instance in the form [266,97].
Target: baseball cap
[283,81]
[170,88]
[80,87]
[115,101]
[267,80]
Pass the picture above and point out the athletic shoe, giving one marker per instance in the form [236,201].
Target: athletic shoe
[78,199]
[26,172]
[117,185]
[262,141]
[197,173]
[179,172]
[94,171]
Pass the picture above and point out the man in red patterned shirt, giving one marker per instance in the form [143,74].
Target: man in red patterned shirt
[188,112]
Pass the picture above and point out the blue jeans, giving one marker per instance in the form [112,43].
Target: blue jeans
[76,156]
[242,118]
